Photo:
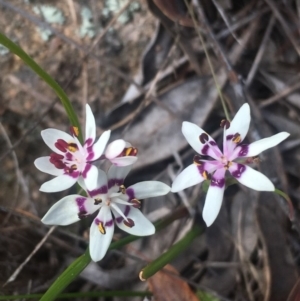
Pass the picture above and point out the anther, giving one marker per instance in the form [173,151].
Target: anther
[101,228]
[206,175]
[97,201]
[129,151]
[72,147]
[236,138]
[197,160]
[73,167]
[129,222]
[225,124]
[203,138]
[74,131]
[122,189]
[135,203]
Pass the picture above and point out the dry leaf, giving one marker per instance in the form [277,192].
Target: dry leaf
[166,287]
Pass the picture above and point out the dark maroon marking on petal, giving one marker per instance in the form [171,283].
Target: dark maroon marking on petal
[72,173]
[213,143]
[130,193]
[109,223]
[56,160]
[56,156]
[217,182]
[113,182]
[88,141]
[239,171]
[101,190]
[69,156]
[229,137]
[86,170]
[62,145]
[204,150]
[80,204]
[244,150]
[203,138]
[129,222]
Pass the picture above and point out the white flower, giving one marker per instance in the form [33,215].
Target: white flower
[202,143]
[116,204]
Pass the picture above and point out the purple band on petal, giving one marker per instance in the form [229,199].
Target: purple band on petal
[205,149]
[201,168]
[229,137]
[86,170]
[72,173]
[88,141]
[239,171]
[217,182]
[91,153]
[101,190]
[213,143]
[113,182]
[80,203]
[109,223]
[130,193]
[244,150]
[126,212]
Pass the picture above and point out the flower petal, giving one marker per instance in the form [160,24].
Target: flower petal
[99,242]
[250,177]
[90,126]
[239,125]
[124,161]
[147,189]
[117,174]
[90,176]
[44,165]
[192,133]
[259,146]
[69,210]
[190,176]
[142,226]
[50,136]
[95,151]
[100,189]
[214,197]
[59,183]
[115,148]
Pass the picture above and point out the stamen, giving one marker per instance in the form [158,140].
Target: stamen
[129,151]
[122,189]
[56,160]
[101,228]
[129,222]
[228,165]
[97,201]
[72,147]
[135,203]
[225,124]
[73,167]
[203,138]
[197,160]
[82,214]
[205,175]
[74,131]
[236,138]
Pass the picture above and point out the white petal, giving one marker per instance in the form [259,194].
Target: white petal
[90,176]
[142,226]
[50,136]
[66,210]
[192,133]
[44,165]
[116,176]
[115,148]
[99,146]
[147,189]
[214,197]
[99,243]
[100,189]
[239,125]
[90,126]
[58,184]
[259,146]
[124,161]
[251,178]
[190,176]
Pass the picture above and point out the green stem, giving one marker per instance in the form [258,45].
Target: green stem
[14,48]
[289,201]
[82,295]
[171,254]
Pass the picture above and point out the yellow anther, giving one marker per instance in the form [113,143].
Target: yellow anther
[101,228]
[205,174]
[97,201]
[72,147]
[237,138]
[74,167]
[75,130]
[228,165]
[122,189]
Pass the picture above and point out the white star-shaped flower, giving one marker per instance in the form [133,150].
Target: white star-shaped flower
[116,204]
[202,143]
